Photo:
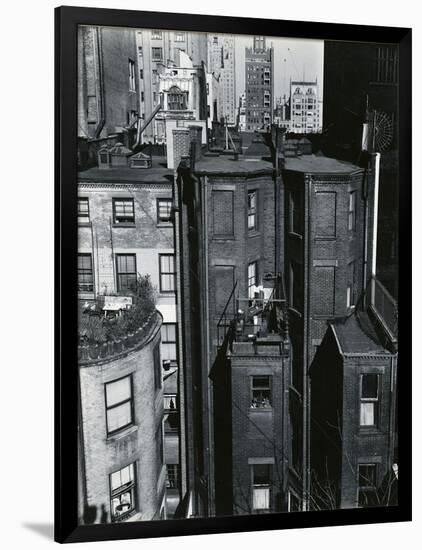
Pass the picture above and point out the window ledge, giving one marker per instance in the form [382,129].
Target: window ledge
[124,224]
[164,224]
[295,312]
[369,430]
[223,238]
[124,433]
[261,410]
[253,233]
[295,235]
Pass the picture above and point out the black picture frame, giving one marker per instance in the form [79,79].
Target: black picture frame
[66,395]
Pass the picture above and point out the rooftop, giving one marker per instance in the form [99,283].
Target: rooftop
[319,165]
[224,164]
[357,335]
[158,173]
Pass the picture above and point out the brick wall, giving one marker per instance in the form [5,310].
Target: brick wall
[181,147]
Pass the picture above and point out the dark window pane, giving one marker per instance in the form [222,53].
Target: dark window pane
[369,386]
[262,474]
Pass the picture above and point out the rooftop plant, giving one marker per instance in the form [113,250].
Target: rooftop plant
[99,329]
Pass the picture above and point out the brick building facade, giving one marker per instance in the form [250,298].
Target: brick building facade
[227,242]
[328,251]
[353,434]
[108,98]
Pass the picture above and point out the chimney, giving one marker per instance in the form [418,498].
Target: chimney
[195,143]
[181,147]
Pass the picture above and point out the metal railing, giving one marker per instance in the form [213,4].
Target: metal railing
[384,306]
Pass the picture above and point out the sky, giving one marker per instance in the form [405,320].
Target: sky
[293,59]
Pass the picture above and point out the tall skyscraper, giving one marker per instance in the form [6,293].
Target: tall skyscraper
[259,84]
[221,62]
[305,107]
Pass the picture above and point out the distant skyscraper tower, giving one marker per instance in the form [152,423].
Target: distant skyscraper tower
[259,84]
[305,107]
[221,62]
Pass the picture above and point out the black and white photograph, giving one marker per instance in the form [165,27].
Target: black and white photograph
[237,274]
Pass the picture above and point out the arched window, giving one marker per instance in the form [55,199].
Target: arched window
[176,99]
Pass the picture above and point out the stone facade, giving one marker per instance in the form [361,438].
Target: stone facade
[138,444]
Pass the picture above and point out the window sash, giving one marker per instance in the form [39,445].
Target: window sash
[85,273]
[119,404]
[132,86]
[168,333]
[252,209]
[119,417]
[123,210]
[122,492]
[261,498]
[83,210]
[167,273]
[252,277]
[351,216]
[118,391]
[157,54]
[261,392]
[126,272]
[164,210]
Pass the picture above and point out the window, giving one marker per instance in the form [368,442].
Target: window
[119,404]
[160,440]
[132,85]
[386,65]
[252,278]
[350,293]
[83,210]
[168,342]
[367,474]
[123,211]
[141,74]
[85,275]
[294,286]
[252,210]
[156,35]
[261,392]
[157,368]
[295,218]
[176,99]
[172,476]
[122,492]
[142,96]
[351,219]
[179,37]
[369,399]
[164,210]
[261,479]
[157,54]
[140,51]
[167,273]
[126,272]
